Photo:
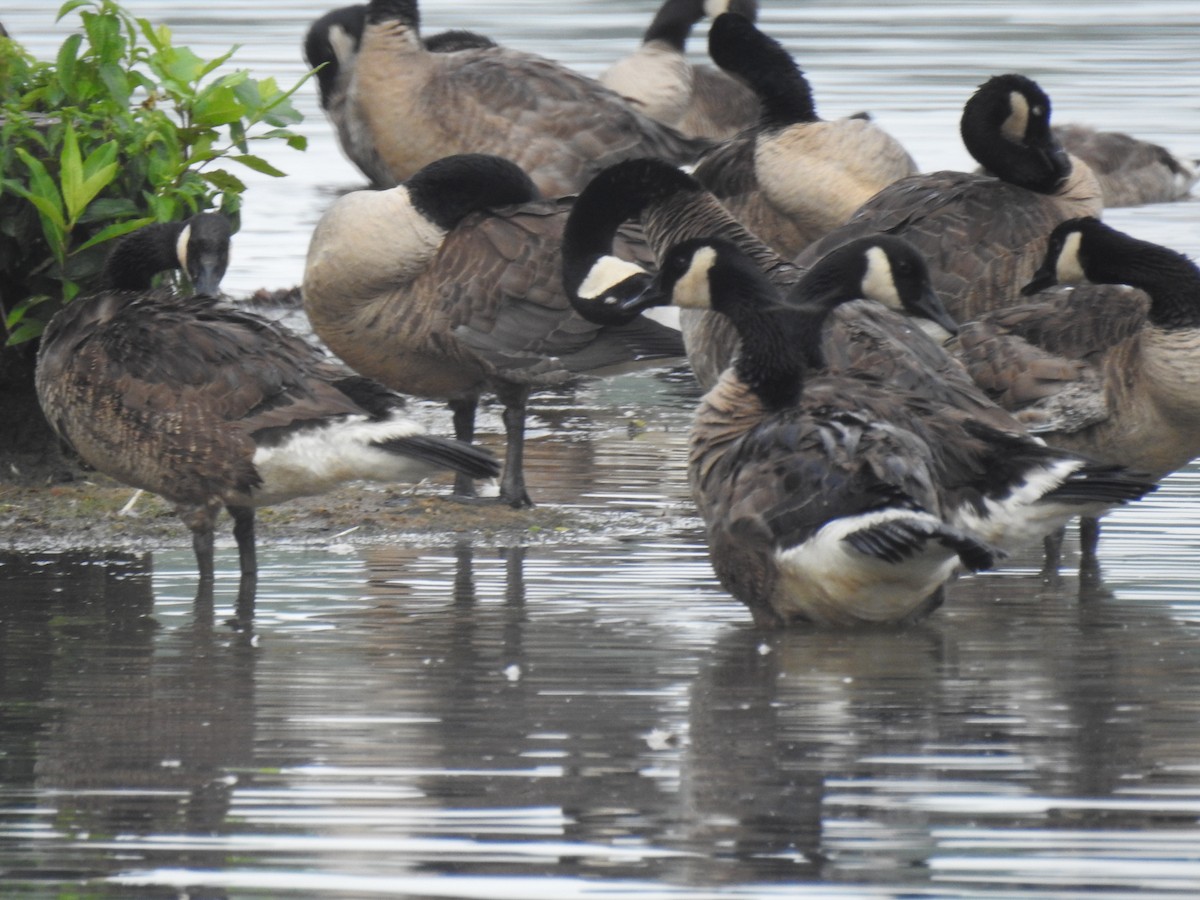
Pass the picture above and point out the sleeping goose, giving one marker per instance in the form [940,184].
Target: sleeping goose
[212,407]
[1113,372]
[1131,172]
[557,125]
[331,47]
[658,79]
[449,286]
[795,176]
[983,235]
[843,499]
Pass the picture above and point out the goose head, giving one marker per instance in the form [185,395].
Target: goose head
[1005,126]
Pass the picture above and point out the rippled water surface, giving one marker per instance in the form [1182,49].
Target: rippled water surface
[594,718]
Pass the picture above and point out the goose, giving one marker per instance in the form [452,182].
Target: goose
[210,406]
[331,47]
[843,499]
[904,342]
[983,235]
[557,125]
[449,285]
[883,338]
[1110,368]
[1131,172]
[794,177]
[658,79]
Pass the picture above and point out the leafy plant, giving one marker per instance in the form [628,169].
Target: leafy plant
[121,129]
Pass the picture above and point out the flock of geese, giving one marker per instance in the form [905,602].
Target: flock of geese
[897,386]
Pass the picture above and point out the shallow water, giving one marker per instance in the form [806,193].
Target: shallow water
[594,718]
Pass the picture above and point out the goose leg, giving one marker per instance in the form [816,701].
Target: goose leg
[243,533]
[201,520]
[463,410]
[1089,543]
[512,481]
[1053,547]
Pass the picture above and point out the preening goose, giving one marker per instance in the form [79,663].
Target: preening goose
[845,499]
[1131,172]
[983,235]
[450,285]
[1107,371]
[794,177]
[658,79]
[557,125]
[902,343]
[212,407]
[331,46]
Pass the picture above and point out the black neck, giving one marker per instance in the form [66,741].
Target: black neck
[673,22]
[141,255]
[1170,278]
[738,47]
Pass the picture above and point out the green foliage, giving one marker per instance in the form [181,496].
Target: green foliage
[121,129]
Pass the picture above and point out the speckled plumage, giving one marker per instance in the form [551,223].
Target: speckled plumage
[793,177]
[982,235]
[557,125]
[180,395]
[480,308]
[659,80]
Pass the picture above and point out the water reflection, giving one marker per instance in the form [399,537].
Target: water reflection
[577,713]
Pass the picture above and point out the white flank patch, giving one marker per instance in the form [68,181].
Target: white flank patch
[1022,515]
[606,273]
[319,459]
[692,290]
[181,246]
[878,282]
[1018,119]
[828,580]
[1068,268]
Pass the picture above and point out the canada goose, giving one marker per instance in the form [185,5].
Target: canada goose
[557,125]
[845,499]
[1131,172]
[658,79]
[331,46]
[1110,372]
[450,285]
[794,177]
[983,235]
[210,406]
[904,343]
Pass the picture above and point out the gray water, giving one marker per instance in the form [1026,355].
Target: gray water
[594,717]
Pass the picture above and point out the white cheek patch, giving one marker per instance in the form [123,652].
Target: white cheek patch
[1018,119]
[713,8]
[1068,268]
[181,246]
[692,291]
[606,273]
[878,282]
[343,45]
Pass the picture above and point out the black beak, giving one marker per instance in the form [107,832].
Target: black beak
[931,307]
[1043,278]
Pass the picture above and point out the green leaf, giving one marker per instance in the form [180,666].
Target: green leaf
[69,7]
[217,105]
[223,181]
[24,332]
[113,231]
[68,55]
[258,164]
